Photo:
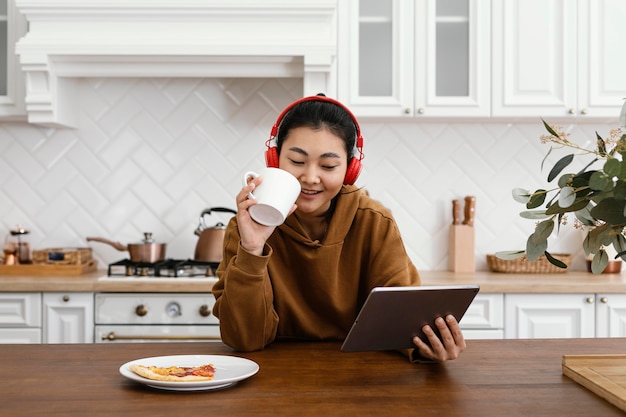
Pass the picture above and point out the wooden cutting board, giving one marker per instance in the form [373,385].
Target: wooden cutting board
[605,375]
[49,269]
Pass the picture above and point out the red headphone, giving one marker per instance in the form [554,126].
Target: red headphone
[354,166]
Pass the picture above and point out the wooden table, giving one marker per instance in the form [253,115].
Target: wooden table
[492,378]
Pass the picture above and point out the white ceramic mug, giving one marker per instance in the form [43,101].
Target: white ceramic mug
[275,196]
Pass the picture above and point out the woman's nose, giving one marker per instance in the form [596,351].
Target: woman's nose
[310,175]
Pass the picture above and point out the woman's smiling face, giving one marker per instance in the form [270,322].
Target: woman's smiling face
[318,159]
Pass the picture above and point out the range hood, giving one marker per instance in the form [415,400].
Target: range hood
[71,39]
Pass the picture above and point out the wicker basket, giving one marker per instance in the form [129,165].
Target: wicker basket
[62,256]
[524,266]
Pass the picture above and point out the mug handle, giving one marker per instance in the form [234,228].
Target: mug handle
[245,181]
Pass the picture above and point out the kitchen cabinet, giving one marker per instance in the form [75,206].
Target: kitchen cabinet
[484,318]
[12,91]
[20,317]
[407,58]
[564,315]
[610,315]
[558,58]
[68,317]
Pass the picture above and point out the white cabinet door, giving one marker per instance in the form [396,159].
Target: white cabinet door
[611,315]
[20,309]
[484,318]
[558,58]
[534,58]
[408,58]
[452,58]
[601,80]
[68,317]
[538,316]
[375,57]
[12,92]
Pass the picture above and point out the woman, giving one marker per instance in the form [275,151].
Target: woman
[308,278]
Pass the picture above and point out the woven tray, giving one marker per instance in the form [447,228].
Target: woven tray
[524,266]
[62,256]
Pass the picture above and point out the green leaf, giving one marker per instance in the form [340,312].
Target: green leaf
[610,210]
[544,229]
[549,129]
[534,215]
[510,255]
[521,195]
[536,199]
[567,197]
[619,192]
[599,262]
[560,166]
[601,145]
[565,180]
[620,246]
[535,247]
[600,181]
[612,167]
[554,261]
[584,216]
[578,205]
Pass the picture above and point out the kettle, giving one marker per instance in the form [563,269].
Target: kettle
[210,239]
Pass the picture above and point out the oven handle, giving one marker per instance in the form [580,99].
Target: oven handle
[113,336]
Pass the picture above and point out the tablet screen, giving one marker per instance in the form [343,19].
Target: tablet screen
[392,316]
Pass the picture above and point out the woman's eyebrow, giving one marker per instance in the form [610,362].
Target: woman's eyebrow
[305,153]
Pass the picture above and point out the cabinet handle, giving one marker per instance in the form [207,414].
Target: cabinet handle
[204,310]
[141,310]
[584,111]
[113,336]
[604,300]
[66,298]
[589,300]
[421,110]
[571,111]
[407,111]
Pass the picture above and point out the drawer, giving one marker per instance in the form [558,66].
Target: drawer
[20,309]
[19,336]
[141,308]
[485,312]
[110,333]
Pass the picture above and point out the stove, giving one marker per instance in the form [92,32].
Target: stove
[172,268]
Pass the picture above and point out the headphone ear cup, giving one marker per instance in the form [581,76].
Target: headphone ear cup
[353,171]
[271,157]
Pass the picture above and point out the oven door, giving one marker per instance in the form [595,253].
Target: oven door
[156,333]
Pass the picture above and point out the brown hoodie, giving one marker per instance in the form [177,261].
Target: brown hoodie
[309,289]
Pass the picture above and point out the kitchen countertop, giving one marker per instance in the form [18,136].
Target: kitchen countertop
[490,282]
[491,378]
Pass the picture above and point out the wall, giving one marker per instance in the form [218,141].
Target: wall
[151,154]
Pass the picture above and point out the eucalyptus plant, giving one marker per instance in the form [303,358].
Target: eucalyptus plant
[595,195]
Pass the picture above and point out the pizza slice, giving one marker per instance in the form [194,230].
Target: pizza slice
[175,373]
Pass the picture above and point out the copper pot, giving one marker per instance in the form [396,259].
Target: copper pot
[146,252]
[211,239]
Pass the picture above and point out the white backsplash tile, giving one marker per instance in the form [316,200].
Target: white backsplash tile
[151,154]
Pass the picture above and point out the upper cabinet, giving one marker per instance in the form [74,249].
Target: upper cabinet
[12,93]
[414,58]
[558,58]
[482,58]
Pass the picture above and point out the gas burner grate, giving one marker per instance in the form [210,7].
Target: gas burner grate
[166,268]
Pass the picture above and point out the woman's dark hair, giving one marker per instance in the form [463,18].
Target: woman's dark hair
[319,115]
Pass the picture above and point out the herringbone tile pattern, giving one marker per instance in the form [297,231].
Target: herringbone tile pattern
[151,154]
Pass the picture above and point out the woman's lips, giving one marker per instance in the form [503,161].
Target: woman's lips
[309,193]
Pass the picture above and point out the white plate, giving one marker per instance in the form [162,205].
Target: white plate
[228,371]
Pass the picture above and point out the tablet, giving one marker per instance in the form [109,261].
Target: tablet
[392,316]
